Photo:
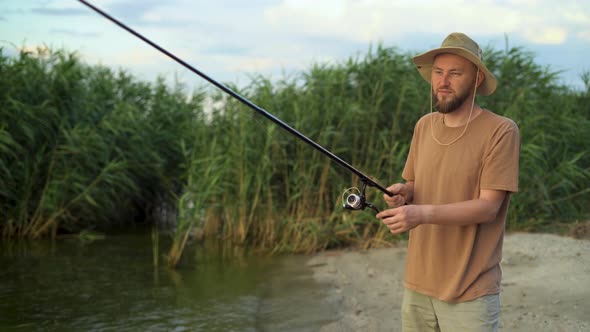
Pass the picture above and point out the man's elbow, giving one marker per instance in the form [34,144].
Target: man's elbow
[491,202]
[490,211]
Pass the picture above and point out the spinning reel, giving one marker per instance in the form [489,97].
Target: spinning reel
[356,201]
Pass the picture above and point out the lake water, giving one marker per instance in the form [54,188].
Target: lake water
[112,284]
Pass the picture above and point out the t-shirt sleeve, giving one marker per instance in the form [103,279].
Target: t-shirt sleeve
[500,167]
[409,171]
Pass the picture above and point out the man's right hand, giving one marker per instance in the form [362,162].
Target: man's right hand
[402,195]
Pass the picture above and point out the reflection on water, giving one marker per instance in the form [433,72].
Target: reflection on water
[111,285]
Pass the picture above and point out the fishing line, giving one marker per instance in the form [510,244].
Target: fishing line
[360,202]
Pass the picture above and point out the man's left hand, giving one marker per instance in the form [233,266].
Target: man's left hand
[403,218]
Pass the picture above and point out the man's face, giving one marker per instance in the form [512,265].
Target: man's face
[453,82]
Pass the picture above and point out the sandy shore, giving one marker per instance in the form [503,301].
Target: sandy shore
[546,285]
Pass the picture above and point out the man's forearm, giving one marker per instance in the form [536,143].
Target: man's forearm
[476,211]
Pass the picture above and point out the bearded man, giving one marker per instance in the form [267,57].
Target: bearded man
[459,174]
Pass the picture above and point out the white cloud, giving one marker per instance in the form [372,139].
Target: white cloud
[152,16]
[539,21]
[333,20]
[584,35]
[137,57]
[546,35]
[253,64]
[62,4]
[577,17]
[228,38]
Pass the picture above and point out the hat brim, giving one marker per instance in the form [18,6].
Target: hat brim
[425,60]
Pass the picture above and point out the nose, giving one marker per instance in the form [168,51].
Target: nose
[445,79]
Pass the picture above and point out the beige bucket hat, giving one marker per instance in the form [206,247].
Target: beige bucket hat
[459,44]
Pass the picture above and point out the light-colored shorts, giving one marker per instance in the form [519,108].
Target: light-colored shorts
[424,313]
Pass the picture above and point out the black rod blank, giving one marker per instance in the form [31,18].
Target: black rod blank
[365,179]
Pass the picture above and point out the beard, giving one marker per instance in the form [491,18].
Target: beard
[452,105]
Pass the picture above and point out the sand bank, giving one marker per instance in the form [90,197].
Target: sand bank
[546,285]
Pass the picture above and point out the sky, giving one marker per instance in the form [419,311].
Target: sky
[231,41]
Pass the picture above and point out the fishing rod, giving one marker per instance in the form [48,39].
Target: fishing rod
[354,201]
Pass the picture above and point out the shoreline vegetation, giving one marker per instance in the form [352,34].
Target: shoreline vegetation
[89,148]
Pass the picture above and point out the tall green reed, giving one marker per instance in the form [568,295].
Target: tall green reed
[555,160]
[279,193]
[364,110]
[85,147]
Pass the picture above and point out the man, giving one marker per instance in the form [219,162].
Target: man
[460,171]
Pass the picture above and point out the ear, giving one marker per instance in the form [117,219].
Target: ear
[480,78]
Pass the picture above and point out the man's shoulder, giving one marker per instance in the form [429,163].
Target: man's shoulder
[499,121]
[424,118]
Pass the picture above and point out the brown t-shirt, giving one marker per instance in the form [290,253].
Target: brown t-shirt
[460,263]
